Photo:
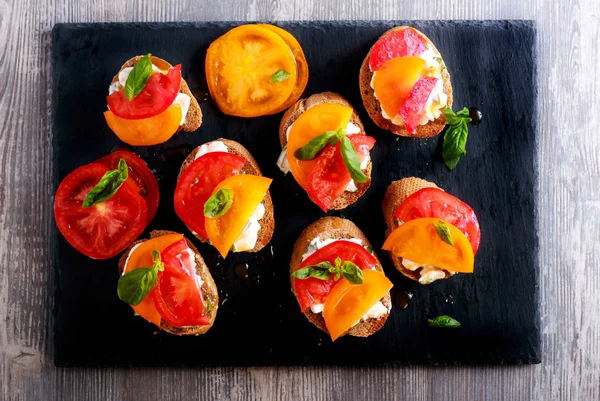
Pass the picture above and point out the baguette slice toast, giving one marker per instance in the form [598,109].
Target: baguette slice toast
[335,227]
[373,106]
[347,198]
[193,119]
[267,223]
[209,288]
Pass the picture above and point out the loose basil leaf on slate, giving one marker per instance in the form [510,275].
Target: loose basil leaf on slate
[352,273]
[219,203]
[314,146]
[279,76]
[443,321]
[136,284]
[351,160]
[108,185]
[138,77]
[455,138]
[444,232]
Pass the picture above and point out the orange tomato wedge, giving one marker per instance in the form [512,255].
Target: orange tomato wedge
[248,193]
[142,257]
[418,241]
[347,303]
[239,66]
[312,123]
[394,80]
[147,131]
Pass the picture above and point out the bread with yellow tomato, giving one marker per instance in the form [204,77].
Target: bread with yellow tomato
[431,235]
[223,198]
[338,280]
[405,85]
[149,102]
[325,148]
[167,283]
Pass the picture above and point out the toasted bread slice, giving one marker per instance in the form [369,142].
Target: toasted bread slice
[267,223]
[396,193]
[209,288]
[193,119]
[373,106]
[347,198]
[338,228]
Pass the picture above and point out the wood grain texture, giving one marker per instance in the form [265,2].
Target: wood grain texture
[568,210]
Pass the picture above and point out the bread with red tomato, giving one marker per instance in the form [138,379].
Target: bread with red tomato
[397,84]
[353,127]
[415,199]
[328,232]
[263,226]
[207,286]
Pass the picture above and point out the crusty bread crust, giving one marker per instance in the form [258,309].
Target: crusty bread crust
[396,193]
[209,288]
[193,119]
[347,198]
[335,227]
[267,223]
[373,106]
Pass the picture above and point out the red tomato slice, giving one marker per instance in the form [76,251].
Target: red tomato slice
[105,229]
[329,177]
[397,43]
[140,175]
[177,295]
[433,202]
[314,291]
[156,97]
[414,105]
[197,184]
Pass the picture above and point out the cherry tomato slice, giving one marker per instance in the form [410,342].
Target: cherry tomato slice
[140,175]
[177,295]
[314,291]
[105,229]
[413,107]
[397,43]
[197,184]
[433,202]
[158,94]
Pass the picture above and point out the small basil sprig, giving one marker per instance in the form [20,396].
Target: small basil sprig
[324,271]
[108,185]
[138,77]
[135,285]
[279,76]
[351,159]
[444,231]
[443,321]
[455,138]
[218,203]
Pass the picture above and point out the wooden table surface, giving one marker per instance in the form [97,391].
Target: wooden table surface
[568,213]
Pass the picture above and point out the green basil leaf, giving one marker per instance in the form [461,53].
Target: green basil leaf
[443,321]
[453,118]
[351,159]
[209,305]
[108,185]
[135,285]
[370,249]
[279,76]
[321,270]
[444,231]
[455,143]
[219,203]
[320,274]
[338,262]
[138,77]
[303,273]
[337,275]
[314,146]
[352,273]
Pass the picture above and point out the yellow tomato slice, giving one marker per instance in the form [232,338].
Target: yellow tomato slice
[418,241]
[347,303]
[394,80]
[147,131]
[239,66]
[312,123]
[248,193]
[142,257]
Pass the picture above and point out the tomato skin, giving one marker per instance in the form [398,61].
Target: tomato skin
[433,202]
[177,295]
[105,229]
[312,291]
[197,183]
[140,175]
[397,43]
[158,94]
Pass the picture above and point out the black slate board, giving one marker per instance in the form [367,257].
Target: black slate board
[493,67]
